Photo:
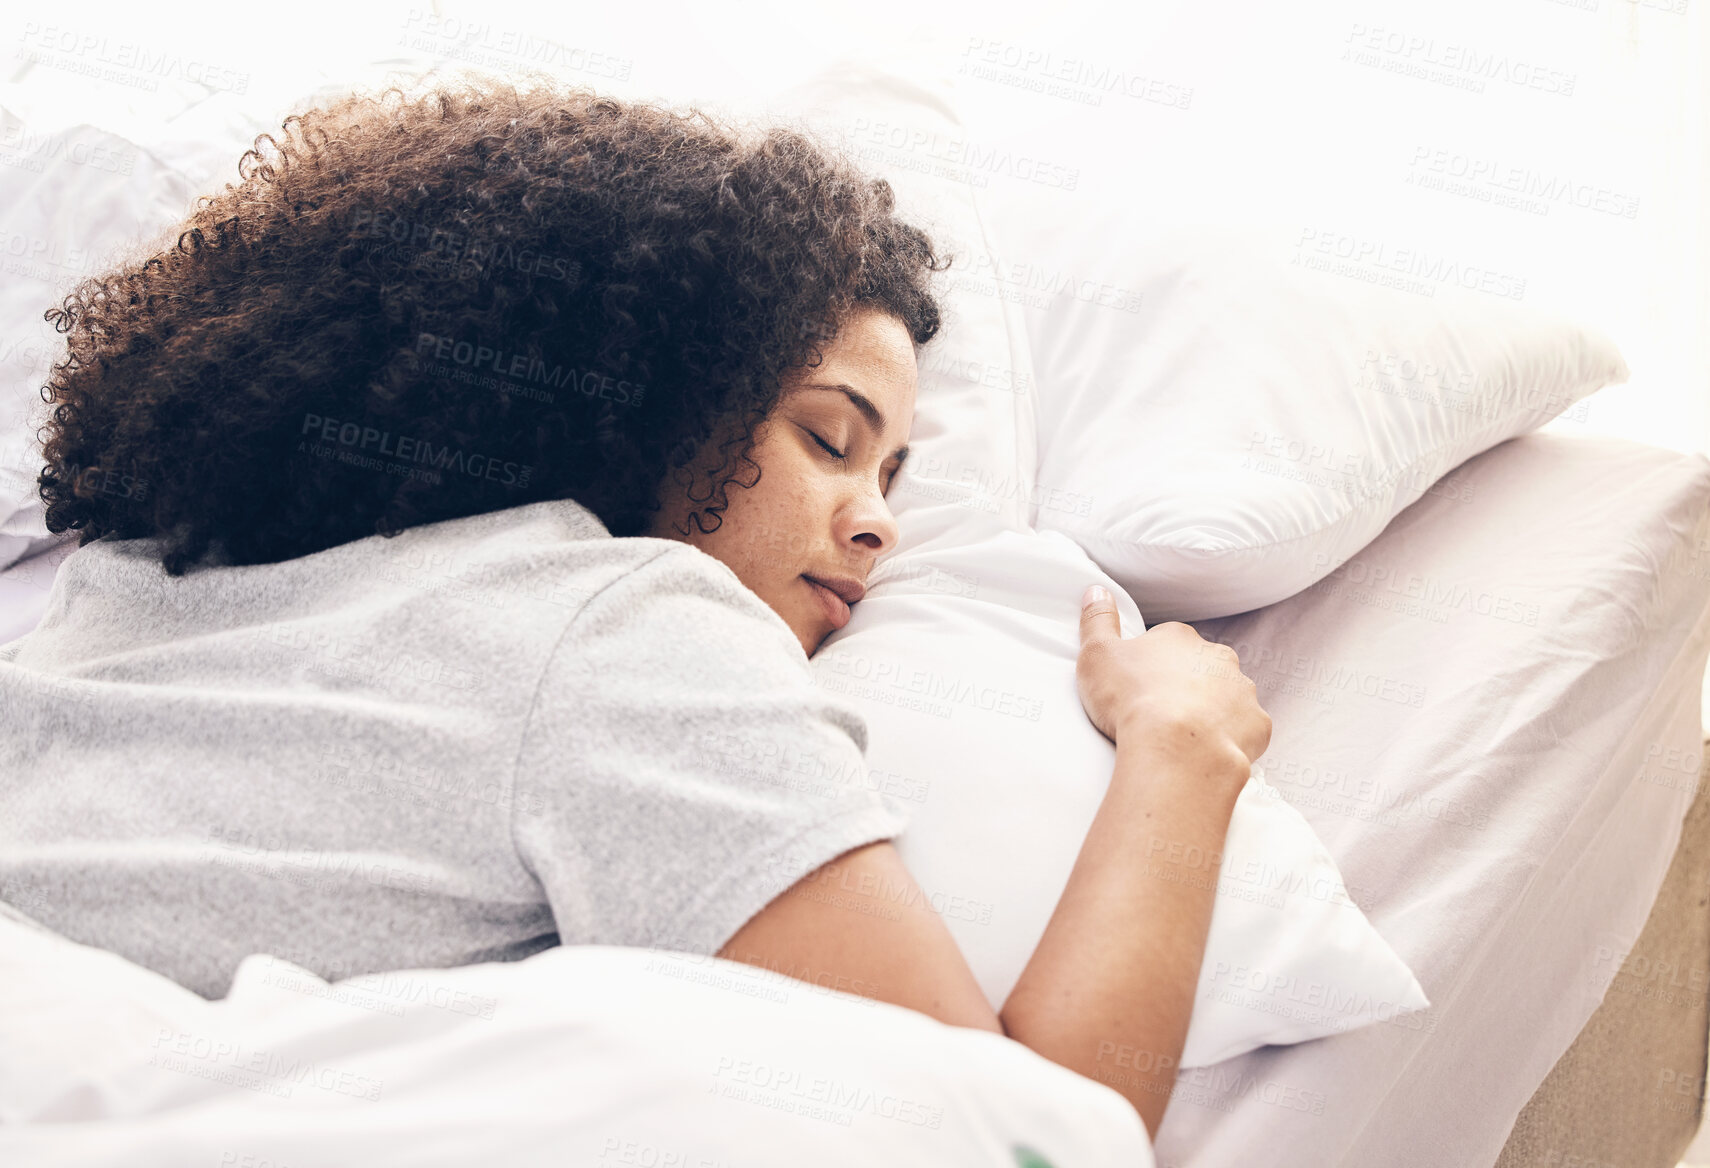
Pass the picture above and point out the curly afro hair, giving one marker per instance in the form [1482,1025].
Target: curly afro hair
[415,307]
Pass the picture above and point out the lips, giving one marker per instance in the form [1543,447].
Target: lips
[835,596]
[849,590]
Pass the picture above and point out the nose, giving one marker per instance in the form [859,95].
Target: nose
[869,530]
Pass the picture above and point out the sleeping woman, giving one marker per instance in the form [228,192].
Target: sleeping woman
[461,494]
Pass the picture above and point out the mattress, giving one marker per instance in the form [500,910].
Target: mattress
[1509,853]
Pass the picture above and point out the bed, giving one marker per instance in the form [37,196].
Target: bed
[1508,834]
[1513,862]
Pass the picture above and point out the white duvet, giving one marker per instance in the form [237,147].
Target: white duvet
[581,1056]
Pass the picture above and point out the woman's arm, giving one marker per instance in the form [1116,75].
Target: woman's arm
[862,925]
[1109,989]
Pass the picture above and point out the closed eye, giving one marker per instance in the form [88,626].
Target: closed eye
[824,445]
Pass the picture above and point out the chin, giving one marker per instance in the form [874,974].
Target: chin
[811,636]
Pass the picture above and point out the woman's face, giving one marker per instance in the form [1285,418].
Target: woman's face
[827,454]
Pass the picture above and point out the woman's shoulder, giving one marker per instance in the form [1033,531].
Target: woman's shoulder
[658,597]
[532,568]
[672,593]
[504,583]
[563,540]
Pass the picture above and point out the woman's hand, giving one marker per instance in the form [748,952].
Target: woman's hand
[1168,685]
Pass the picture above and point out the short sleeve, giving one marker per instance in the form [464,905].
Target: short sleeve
[679,768]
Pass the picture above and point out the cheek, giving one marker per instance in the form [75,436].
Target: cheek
[779,516]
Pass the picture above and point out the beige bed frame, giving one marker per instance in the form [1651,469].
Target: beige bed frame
[1629,1092]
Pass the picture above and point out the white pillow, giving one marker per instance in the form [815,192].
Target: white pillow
[97,183]
[973,432]
[973,446]
[94,193]
[962,662]
[1232,422]
[973,612]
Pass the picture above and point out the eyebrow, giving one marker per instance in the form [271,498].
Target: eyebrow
[869,413]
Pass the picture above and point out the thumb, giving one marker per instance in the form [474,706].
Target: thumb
[1098,615]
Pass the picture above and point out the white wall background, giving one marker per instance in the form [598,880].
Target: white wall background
[1578,130]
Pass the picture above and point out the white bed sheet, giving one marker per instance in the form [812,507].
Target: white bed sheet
[1510,857]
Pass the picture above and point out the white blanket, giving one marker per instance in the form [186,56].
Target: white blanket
[587,1055]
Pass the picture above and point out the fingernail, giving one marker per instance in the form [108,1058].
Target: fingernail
[1094,594]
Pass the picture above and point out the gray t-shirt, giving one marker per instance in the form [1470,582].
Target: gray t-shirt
[465,743]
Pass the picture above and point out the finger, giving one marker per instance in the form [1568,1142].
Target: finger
[1098,614]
